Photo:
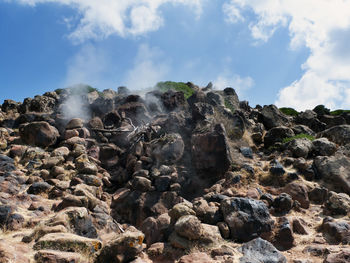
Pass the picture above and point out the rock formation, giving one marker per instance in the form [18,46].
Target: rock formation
[168,178]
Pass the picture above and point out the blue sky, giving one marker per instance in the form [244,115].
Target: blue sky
[269,51]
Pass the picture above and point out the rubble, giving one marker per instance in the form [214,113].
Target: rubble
[171,178]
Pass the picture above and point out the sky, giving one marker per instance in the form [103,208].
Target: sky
[292,53]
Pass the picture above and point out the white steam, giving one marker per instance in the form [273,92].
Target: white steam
[76,103]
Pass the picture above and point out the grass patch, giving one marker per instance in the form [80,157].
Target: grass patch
[289,111]
[299,136]
[165,86]
[229,105]
[339,112]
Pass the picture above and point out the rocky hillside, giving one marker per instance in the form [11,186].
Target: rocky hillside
[189,176]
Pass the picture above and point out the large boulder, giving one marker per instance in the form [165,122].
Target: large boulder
[44,256]
[173,100]
[338,204]
[272,117]
[38,104]
[336,170]
[123,248]
[340,257]
[277,134]
[68,242]
[168,149]
[299,192]
[309,118]
[211,151]
[39,134]
[260,251]
[338,134]
[134,206]
[202,111]
[6,164]
[247,218]
[231,98]
[300,147]
[332,121]
[335,232]
[189,227]
[323,147]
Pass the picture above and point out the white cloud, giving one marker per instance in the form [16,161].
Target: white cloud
[232,13]
[149,67]
[102,18]
[89,66]
[323,26]
[240,84]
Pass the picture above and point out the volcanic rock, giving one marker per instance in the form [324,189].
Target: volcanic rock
[246,218]
[39,134]
[260,251]
[211,151]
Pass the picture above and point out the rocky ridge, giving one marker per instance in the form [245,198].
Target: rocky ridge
[168,178]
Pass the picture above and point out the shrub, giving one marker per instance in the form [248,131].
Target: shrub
[298,136]
[229,105]
[321,110]
[289,111]
[164,86]
[339,112]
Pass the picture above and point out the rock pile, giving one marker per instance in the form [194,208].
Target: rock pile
[162,178]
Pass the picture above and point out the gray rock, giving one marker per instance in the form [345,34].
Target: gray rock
[284,238]
[277,168]
[39,188]
[309,119]
[169,150]
[277,134]
[341,257]
[338,134]
[335,232]
[272,117]
[246,218]
[283,203]
[336,170]
[300,147]
[202,111]
[247,152]
[323,147]
[5,212]
[6,164]
[260,251]
[123,248]
[141,184]
[189,227]
[338,204]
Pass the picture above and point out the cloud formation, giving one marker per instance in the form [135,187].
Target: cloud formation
[102,18]
[150,67]
[323,26]
[240,84]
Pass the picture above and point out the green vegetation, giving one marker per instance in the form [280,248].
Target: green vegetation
[164,86]
[339,112]
[289,111]
[298,136]
[321,110]
[229,105]
[77,90]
